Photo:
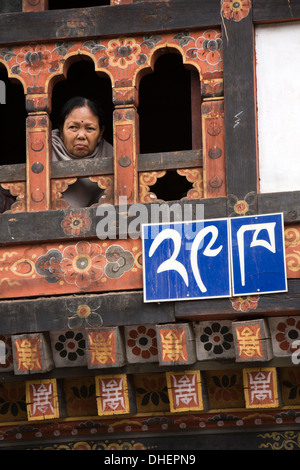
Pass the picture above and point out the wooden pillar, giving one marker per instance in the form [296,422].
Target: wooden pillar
[38,149]
[35,5]
[126,144]
[240,105]
[214,178]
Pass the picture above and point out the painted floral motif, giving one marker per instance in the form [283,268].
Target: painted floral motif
[242,206]
[245,304]
[122,52]
[76,223]
[84,314]
[49,266]
[12,401]
[142,342]
[288,331]
[33,59]
[80,396]
[35,63]
[83,264]
[151,391]
[208,48]
[236,9]
[290,379]
[217,338]
[70,345]
[225,389]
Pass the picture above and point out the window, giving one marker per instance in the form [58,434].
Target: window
[82,80]
[166,119]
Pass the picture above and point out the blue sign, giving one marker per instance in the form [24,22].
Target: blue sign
[258,254]
[214,258]
[186,260]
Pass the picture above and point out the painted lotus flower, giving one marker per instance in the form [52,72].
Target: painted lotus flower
[123,52]
[83,264]
[236,9]
[209,47]
[33,59]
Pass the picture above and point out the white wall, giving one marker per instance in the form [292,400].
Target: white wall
[278,104]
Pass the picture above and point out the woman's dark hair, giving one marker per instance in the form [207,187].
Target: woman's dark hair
[79,102]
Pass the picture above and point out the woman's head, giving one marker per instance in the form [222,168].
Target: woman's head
[81,126]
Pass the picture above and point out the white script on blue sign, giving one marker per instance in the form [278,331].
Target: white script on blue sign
[186,260]
[258,254]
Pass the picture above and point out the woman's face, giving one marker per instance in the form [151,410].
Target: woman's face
[81,132]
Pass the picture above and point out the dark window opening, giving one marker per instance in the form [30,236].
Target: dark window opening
[82,80]
[67,4]
[13,118]
[165,107]
[171,187]
[10,6]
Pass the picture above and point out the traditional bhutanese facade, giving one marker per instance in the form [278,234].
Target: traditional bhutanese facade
[86,362]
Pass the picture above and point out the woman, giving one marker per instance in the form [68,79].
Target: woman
[80,136]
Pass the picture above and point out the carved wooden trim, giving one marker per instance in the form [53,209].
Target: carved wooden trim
[17,189]
[59,186]
[147,179]
[106,183]
[195,176]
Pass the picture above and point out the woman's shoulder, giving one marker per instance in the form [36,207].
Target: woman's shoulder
[107,148]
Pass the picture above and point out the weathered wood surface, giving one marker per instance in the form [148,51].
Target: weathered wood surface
[146,162]
[267,305]
[128,308]
[102,21]
[275,10]
[24,227]
[46,314]
[240,117]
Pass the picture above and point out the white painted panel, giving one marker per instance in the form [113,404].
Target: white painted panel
[278,104]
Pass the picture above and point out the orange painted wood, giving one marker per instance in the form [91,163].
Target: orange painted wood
[126,149]
[35,5]
[292,250]
[213,133]
[70,267]
[124,59]
[38,130]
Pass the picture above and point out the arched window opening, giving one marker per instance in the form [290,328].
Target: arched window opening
[13,118]
[169,116]
[67,4]
[82,80]
[165,107]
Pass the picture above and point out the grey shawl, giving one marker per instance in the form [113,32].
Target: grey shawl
[84,192]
